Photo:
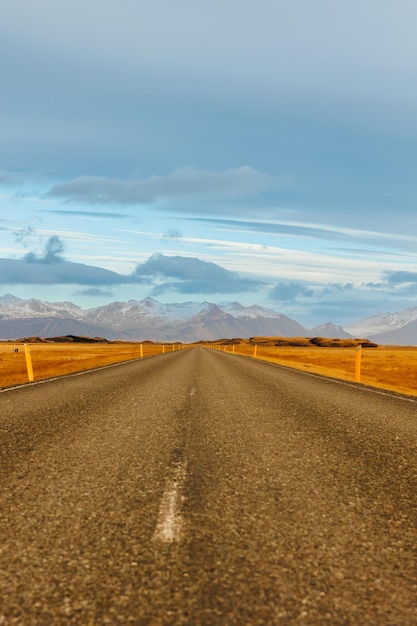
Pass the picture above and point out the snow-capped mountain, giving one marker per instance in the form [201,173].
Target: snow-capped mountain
[138,312]
[24,318]
[15,308]
[187,322]
[388,328]
[253,311]
[140,320]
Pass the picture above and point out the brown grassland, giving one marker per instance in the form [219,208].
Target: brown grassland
[55,359]
[387,367]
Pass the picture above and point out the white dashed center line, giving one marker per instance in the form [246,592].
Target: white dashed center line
[170,520]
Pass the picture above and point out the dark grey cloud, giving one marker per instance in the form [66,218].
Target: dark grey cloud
[182,182]
[51,268]
[190,275]
[52,252]
[287,292]
[58,272]
[160,273]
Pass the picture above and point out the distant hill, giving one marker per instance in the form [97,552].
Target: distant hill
[330,330]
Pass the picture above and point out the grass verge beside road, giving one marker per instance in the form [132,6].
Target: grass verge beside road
[56,359]
[386,367]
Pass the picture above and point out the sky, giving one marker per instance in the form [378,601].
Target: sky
[259,151]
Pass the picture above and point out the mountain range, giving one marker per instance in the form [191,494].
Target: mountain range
[187,322]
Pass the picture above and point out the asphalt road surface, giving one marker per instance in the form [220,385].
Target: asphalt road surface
[201,488]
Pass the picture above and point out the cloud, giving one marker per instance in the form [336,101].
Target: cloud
[273,228]
[304,229]
[29,272]
[189,275]
[52,253]
[182,182]
[50,268]
[173,235]
[95,292]
[96,214]
[23,235]
[160,273]
[402,283]
[287,292]
[401,278]
[337,288]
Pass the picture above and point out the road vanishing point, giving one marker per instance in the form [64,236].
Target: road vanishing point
[201,488]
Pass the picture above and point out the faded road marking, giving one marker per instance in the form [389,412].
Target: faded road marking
[170,520]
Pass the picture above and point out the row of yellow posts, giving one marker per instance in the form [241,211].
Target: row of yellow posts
[29,366]
[358,359]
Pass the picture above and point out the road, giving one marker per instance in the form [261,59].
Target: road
[201,488]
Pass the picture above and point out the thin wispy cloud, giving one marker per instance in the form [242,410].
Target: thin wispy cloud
[90,214]
[301,229]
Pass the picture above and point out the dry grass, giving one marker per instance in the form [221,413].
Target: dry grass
[387,367]
[55,359]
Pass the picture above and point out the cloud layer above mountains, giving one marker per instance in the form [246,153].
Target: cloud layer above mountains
[264,148]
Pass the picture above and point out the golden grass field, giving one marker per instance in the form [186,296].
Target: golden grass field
[55,359]
[386,367]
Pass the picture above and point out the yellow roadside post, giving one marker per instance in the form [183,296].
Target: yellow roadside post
[141,350]
[358,364]
[233,348]
[29,363]
[163,349]
[255,350]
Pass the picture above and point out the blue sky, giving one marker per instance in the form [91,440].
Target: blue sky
[260,151]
